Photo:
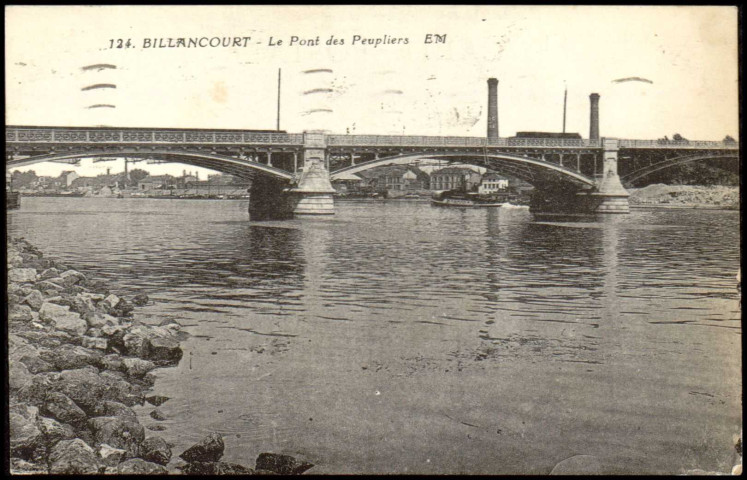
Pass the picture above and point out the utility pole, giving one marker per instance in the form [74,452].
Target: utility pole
[565,103]
[278,116]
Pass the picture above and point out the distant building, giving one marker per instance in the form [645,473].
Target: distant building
[224,179]
[405,179]
[394,178]
[156,182]
[347,182]
[94,184]
[108,191]
[67,178]
[455,178]
[492,183]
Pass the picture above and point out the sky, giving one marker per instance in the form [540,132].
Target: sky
[689,54]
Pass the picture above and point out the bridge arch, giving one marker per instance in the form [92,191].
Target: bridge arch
[531,170]
[637,175]
[239,167]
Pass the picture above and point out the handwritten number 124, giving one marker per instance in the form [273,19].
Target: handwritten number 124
[120,43]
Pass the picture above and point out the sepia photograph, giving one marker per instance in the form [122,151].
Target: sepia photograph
[382,240]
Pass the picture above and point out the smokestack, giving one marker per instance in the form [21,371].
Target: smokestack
[492,108]
[594,117]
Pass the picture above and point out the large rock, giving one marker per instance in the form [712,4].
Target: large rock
[156,400]
[14,300]
[110,302]
[35,391]
[158,415]
[18,376]
[216,468]
[282,464]
[19,466]
[155,449]
[68,357]
[49,287]
[140,299]
[22,275]
[71,277]
[26,440]
[14,259]
[16,343]
[95,297]
[60,407]
[55,431]
[209,449]
[136,340]
[49,273]
[119,432]
[136,367]
[36,364]
[102,320]
[20,314]
[123,308]
[71,457]
[46,337]
[34,299]
[138,466]
[62,318]
[97,343]
[163,349]
[112,361]
[108,408]
[87,387]
[83,305]
[110,456]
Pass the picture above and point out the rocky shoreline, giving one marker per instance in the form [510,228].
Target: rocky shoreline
[77,363]
[685,196]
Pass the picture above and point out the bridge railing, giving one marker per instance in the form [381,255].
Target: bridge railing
[432,141]
[674,144]
[57,135]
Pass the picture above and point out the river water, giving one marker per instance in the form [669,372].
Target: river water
[395,337]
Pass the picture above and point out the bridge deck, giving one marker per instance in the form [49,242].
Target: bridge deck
[83,135]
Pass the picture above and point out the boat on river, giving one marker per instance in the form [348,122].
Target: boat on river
[468,200]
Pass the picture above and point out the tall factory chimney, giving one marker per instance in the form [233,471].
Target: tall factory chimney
[594,117]
[492,108]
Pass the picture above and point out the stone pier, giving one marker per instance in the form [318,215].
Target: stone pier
[313,191]
[310,193]
[611,195]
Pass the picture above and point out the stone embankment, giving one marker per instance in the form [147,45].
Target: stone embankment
[685,196]
[77,363]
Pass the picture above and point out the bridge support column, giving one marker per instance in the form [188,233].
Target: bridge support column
[612,196]
[312,195]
